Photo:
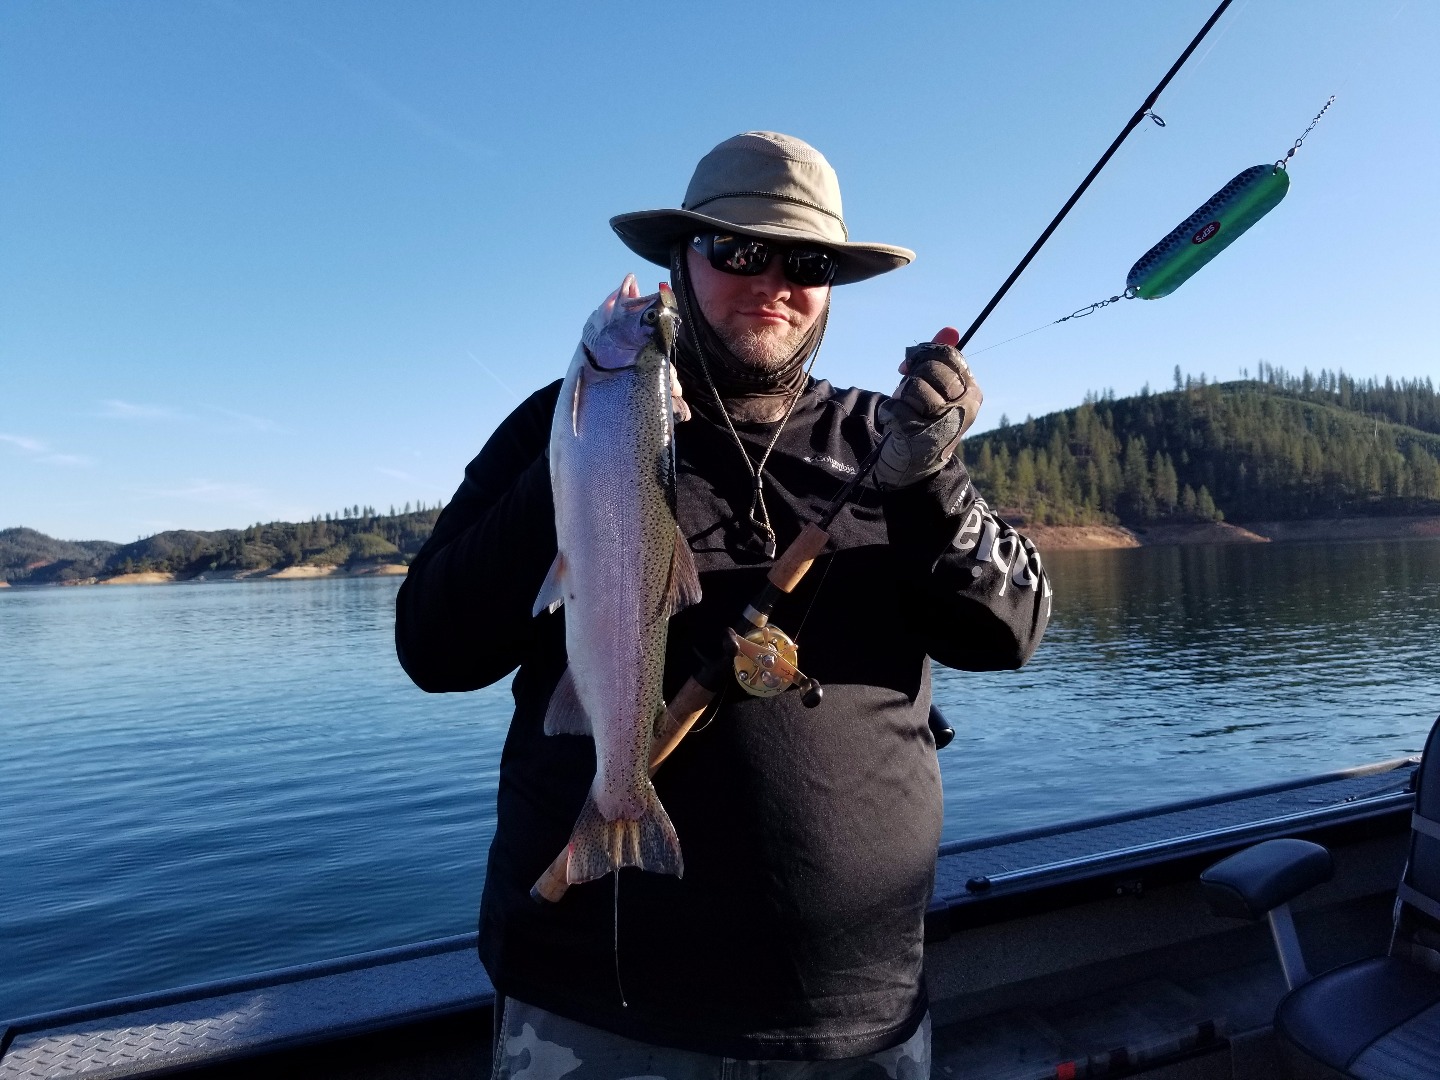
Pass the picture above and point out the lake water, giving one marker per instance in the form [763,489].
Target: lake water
[203,781]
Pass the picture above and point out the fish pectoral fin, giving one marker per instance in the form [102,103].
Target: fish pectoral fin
[679,408]
[684,587]
[575,404]
[598,846]
[565,715]
[552,589]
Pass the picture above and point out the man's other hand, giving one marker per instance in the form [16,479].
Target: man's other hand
[930,411]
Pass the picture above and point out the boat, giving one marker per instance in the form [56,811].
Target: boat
[1084,949]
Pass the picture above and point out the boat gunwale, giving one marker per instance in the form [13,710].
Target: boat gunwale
[179,995]
[1034,832]
[1045,886]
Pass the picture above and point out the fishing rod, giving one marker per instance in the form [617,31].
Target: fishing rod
[761,657]
[1130,126]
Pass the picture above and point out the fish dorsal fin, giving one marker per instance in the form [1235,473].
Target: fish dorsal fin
[684,588]
[565,715]
[552,590]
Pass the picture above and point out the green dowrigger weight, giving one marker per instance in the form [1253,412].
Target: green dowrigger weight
[1207,232]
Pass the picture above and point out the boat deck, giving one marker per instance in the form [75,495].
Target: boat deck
[1042,962]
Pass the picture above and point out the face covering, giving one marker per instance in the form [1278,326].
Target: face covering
[748,395]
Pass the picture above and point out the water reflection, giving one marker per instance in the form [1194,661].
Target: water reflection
[206,781]
[1173,672]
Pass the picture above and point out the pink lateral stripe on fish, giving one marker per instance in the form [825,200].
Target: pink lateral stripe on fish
[623,568]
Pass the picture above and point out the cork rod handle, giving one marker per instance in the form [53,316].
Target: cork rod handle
[680,716]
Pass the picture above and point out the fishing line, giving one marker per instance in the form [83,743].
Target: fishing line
[713,709]
[1200,60]
[1089,309]
[1381,37]
[1219,222]
[616,923]
[815,593]
[1130,125]
[762,653]
[1276,192]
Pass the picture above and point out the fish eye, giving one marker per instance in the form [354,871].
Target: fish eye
[650,317]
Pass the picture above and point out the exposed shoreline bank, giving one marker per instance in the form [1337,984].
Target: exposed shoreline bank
[1110,537]
[289,573]
[1046,537]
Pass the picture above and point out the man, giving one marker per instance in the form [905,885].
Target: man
[809,835]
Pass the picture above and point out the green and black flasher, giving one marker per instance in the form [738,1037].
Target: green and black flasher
[1208,231]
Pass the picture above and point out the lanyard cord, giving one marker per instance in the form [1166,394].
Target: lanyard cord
[757,472]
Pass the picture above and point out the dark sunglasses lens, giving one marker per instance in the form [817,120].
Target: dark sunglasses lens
[739,255]
[809,267]
[747,256]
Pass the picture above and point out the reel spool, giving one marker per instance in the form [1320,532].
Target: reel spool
[765,665]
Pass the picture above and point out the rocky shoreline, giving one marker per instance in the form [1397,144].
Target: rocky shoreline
[1046,537]
[289,573]
[1109,537]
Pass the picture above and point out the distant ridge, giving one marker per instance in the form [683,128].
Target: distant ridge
[1271,449]
[1275,448]
[357,539]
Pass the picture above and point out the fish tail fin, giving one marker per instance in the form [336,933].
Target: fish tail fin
[598,846]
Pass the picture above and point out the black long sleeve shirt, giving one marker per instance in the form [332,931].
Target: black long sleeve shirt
[809,835]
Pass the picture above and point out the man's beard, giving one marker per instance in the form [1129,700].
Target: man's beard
[765,353]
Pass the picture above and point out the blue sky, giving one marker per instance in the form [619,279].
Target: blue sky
[261,260]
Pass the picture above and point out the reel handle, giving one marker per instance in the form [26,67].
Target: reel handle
[940,728]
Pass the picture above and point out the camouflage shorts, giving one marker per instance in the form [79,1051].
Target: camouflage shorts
[537,1045]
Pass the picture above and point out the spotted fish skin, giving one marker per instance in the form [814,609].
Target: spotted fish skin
[621,571]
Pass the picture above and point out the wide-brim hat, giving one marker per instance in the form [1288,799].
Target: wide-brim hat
[761,184]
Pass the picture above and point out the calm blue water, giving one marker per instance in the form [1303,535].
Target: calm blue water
[210,780]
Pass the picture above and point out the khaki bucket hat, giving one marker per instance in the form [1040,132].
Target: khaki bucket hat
[761,184]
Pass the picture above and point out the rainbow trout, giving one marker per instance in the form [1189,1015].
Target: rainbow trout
[622,570]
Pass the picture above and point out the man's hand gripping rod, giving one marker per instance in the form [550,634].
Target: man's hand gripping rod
[700,690]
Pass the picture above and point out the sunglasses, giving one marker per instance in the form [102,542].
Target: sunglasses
[747,257]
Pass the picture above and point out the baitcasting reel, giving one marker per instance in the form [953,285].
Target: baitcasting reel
[765,665]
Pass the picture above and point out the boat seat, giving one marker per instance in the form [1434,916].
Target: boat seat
[1374,1019]
[1378,1017]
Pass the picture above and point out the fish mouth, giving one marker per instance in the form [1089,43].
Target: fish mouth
[647,320]
[667,319]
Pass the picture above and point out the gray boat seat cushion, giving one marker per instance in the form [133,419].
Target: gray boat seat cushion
[1375,1018]
[1378,1019]
[1252,882]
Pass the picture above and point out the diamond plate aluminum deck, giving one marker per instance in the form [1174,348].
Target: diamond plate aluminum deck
[215,1023]
[1037,856]
[306,1005]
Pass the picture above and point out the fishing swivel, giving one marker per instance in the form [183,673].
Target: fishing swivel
[1283,162]
[1090,309]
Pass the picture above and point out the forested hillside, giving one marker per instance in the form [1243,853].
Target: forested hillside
[1276,447]
[24,552]
[354,538]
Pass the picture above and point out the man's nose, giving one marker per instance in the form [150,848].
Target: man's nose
[771,282]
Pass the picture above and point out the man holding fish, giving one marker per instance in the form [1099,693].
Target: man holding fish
[611,530]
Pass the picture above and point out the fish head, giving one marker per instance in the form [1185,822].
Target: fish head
[626,323]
